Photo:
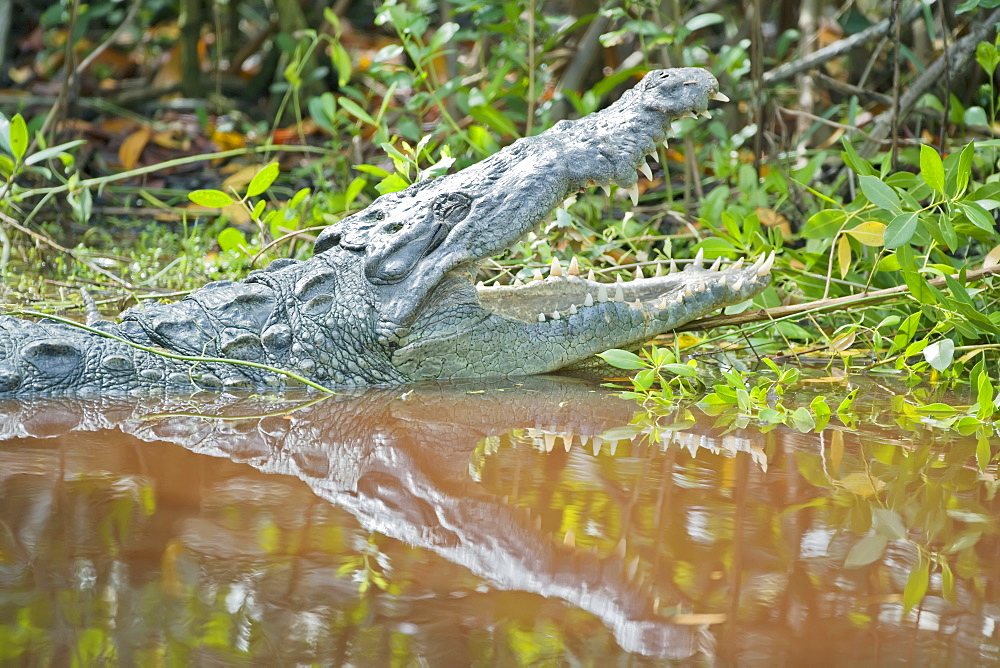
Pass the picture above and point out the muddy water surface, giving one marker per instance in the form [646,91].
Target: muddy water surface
[475,524]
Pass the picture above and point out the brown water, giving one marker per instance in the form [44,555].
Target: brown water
[465,524]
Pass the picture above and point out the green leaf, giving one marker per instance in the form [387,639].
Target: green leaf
[232,239]
[263,179]
[858,164]
[964,168]
[18,137]
[940,354]
[866,551]
[644,379]
[977,215]
[680,370]
[53,151]
[622,359]
[493,119]
[947,581]
[215,199]
[916,585]
[888,523]
[900,230]
[983,453]
[354,109]
[879,193]
[931,168]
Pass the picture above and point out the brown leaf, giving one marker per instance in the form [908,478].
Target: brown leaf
[771,218]
[992,258]
[132,147]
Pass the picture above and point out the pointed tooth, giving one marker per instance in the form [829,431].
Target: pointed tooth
[659,269]
[722,279]
[598,442]
[646,171]
[699,286]
[689,114]
[574,267]
[602,294]
[673,266]
[736,266]
[665,145]
[541,317]
[588,300]
[555,269]
[699,259]
[715,265]
[590,276]
[688,291]
[550,441]
[517,282]
[719,97]
[536,275]
[663,304]
[679,297]
[572,309]
[569,539]
[555,315]
[619,293]
[607,189]
[480,284]
[704,114]
[567,441]
[765,267]
[738,284]
[618,278]
[655,156]
[637,305]
[633,192]
[613,447]
[584,440]
[638,273]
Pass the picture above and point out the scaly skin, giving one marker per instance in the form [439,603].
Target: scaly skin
[387,298]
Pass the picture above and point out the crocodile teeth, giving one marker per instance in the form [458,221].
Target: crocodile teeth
[646,171]
[633,192]
[687,291]
[555,268]
[699,286]
[590,275]
[704,114]
[619,293]
[572,309]
[666,146]
[737,265]
[738,284]
[541,317]
[659,269]
[517,282]
[720,97]
[673,266]
[765,267]
[607,189]
[655,156]
[555,315]
[679,297]
[537,274]
[550,442]
[699,259]
[602,294]
[663,304]
[638,273]
[722,280]
[715,265]
[574,267]
[480,284]
[689,114]
[637,305]
[588,300]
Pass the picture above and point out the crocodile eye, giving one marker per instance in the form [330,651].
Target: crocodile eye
[452,208]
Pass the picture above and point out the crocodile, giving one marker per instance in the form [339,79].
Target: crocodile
[388,296]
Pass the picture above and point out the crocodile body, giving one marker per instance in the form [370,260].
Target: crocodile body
[388,296]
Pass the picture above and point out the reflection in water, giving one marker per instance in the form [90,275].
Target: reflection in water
[462,523]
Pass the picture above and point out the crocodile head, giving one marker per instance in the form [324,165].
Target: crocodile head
[417,249]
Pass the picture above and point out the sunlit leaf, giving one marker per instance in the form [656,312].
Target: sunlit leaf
[842,342]
[871,233]
[18,137]
[232,239]
[843,255]
[862,485]
[263,179]
[931,168]
[211,198]
[947,581]
[916,584]
[622,359]
[900,230]
[354,109]
[964,168]
[940,354]
[866,551]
